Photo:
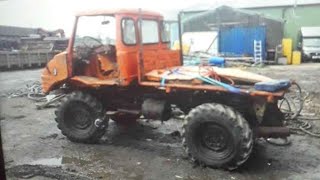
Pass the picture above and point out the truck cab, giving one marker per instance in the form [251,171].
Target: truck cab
[105,48]
[310,43]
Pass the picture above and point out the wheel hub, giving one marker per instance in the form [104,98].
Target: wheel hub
[81,118]
[215,138]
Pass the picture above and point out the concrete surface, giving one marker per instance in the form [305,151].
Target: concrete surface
[10,80]
[34,148]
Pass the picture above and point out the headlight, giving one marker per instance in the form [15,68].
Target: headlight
[306,53]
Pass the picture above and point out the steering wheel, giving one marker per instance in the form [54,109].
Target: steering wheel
[96,40]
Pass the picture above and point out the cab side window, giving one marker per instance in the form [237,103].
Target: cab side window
[150,32]
[128,31]
[165,31]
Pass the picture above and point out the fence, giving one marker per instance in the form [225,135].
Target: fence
[10,60]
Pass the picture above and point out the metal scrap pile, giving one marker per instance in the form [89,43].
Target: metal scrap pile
[33,91]
[298,122]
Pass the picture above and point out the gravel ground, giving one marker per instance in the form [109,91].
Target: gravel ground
[35,149]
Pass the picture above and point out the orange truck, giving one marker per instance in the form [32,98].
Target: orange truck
[118,65]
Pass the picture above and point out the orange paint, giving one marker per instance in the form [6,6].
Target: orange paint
[126,66]
[55,72]
[123,68]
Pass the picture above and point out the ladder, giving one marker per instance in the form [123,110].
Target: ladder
[257,45]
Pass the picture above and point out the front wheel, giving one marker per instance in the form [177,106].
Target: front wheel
[76,117]
[217,136]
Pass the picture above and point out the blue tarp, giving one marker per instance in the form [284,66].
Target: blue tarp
[238,41]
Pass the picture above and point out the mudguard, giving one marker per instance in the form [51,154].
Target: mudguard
[55,73]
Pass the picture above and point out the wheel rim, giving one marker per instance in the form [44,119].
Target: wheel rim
[78,117]
[215,138]
[215,141]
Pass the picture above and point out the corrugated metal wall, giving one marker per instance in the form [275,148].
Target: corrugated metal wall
[295,18]
[238,41]
[222,16]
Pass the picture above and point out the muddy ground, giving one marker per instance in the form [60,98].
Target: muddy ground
[34,148]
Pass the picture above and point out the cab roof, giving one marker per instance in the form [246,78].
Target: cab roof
[134,12]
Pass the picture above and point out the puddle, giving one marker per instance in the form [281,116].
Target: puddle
[51,136]
[18,116]
[18,106]
[75,161]
[48,162]
[59,161]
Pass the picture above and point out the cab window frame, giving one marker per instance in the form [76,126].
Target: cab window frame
[123,32]
[162,31]
[158,31]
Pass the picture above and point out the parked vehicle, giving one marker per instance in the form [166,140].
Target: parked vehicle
[310,43]
[118,66]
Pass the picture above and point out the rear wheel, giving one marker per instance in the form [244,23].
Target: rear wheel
[217,136]
[76,117]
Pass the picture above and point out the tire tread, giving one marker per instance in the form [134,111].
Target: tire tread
[235,118]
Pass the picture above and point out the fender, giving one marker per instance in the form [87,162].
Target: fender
[55,73]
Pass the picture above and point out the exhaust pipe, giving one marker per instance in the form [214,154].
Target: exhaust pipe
[272,132]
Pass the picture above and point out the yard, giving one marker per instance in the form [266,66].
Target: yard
[34,147]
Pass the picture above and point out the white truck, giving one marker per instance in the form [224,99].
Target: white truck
[310,43]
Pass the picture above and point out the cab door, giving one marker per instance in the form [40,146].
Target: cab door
[127,48]
[150,43]
[156,51]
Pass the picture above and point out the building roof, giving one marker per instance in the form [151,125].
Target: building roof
[224,8]
[248,4]
[310,31]
[282,3]
[16,31]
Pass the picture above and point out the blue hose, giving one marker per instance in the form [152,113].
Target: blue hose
[226,86]
[205,79]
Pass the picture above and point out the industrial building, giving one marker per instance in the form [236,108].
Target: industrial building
[294,15]
[22,38]
[238,29]
[25,47]
[11,36]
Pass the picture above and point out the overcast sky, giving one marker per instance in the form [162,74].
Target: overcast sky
[54,14]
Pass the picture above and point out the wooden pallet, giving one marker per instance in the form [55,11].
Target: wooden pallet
[189,73]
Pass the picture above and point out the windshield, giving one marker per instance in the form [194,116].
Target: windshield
[311,42]
[95,31]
